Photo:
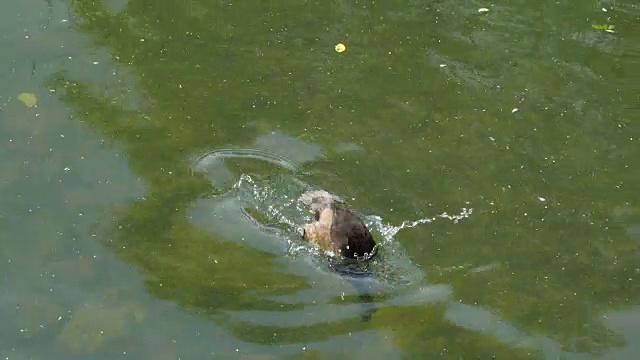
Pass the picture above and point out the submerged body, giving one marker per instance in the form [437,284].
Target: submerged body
[335,228]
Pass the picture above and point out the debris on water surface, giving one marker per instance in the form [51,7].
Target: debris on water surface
[443,65]
[514,110]
[605,28]
[340,47]
[28,99]
[483,10]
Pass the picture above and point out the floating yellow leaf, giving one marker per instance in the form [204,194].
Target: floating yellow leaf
[607,28]
[28,99]
[340,47]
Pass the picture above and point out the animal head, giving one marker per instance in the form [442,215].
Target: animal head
[334,227]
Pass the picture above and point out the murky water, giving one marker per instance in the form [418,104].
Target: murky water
[153,154]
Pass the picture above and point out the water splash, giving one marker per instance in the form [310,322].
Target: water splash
[273,203]
[389,231]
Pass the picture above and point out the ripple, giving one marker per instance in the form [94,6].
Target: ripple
[260,208]
[204,161]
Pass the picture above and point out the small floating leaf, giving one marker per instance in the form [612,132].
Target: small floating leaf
[340,47]
[607,28]
[28,99]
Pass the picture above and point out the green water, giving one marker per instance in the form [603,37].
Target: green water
[148,197]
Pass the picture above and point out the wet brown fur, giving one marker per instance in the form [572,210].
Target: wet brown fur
[336,228]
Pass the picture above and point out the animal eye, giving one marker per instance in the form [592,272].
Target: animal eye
[316,215]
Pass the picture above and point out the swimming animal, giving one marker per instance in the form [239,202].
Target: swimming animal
[336,228]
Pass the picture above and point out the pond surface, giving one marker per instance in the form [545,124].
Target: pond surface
[153,153]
